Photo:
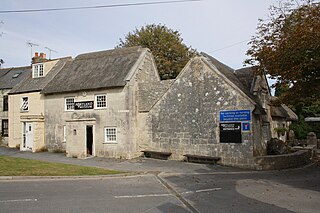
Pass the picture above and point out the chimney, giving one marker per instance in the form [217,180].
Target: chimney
[39,58]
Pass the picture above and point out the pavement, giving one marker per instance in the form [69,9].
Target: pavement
[137,165]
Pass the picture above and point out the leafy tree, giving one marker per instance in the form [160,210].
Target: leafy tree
[170,53]
[287,46]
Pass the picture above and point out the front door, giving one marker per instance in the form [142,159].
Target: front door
[89,140]
[27,141]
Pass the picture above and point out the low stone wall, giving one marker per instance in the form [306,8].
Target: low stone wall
[275,162]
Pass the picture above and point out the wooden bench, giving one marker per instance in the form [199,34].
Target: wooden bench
[157,155]
[202,159]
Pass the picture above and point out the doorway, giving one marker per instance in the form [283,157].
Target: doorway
[89,135]
[27,136]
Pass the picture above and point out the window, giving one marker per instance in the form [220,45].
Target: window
[110,135]
[101,101]
[5,128]
[25,104]
[38,70]
[69,104]
[5,103]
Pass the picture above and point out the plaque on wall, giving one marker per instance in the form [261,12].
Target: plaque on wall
[230,133]
[83,105]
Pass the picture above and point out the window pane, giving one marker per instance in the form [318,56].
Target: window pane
[69,103]
[111,135]
[5,129]
[25,104]
[101,101]
[5,103]
[40,70]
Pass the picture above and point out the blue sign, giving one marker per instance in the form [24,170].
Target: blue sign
[235,115]
[246,126]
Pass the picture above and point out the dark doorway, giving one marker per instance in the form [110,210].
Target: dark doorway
[89,139]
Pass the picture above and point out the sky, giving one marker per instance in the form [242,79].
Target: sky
[220,28]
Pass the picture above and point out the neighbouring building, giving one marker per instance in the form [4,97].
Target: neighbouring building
[26,104]
[9,77]
[91,106]
[282,117]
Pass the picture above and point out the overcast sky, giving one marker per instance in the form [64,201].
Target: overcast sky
[210,26]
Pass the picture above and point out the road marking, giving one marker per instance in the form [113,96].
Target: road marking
[166,195]
[21,200]
[141,196]
[208,190]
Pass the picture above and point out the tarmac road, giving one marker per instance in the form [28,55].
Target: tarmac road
[197,188]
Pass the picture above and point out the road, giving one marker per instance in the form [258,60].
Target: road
[295,190]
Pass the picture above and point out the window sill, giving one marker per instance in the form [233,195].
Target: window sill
[110,143]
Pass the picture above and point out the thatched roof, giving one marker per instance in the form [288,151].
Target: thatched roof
[97,70]
[279,110]
[12,76]
[246,77]
[30,84]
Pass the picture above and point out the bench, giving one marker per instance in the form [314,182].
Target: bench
[202,159]
[157,155]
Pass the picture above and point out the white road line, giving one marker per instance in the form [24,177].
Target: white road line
[208,190]
[21,200]
[166,195]
[141,196]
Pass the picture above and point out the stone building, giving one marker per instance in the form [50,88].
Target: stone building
[9,77]
[209,109]
[113,104]
[90,107]
[26,104]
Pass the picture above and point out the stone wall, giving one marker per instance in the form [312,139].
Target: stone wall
[274,162]
[186,119]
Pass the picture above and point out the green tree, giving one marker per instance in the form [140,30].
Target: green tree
[287,47]
[170,53]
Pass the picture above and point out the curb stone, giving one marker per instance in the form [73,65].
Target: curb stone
[132,174]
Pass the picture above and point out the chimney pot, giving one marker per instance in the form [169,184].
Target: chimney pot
[41,55]
[44,55]
[36,54]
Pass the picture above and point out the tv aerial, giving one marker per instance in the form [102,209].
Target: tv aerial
[50,50]
[32,45]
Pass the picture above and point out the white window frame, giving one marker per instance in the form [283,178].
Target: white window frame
[108,133]
[23,103]
[38,70]
[96,101]
[66,104]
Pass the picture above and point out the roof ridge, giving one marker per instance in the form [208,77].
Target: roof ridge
[103,53]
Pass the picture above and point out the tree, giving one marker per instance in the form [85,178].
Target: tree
[170,54]
[287,47]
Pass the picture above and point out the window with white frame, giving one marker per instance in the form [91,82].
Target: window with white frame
[110,134]
[24,104]
[101,101]
[37,70]
[69,104]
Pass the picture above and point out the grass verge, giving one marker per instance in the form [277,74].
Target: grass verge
[10,166]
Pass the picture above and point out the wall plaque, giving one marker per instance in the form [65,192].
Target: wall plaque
[83,105]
